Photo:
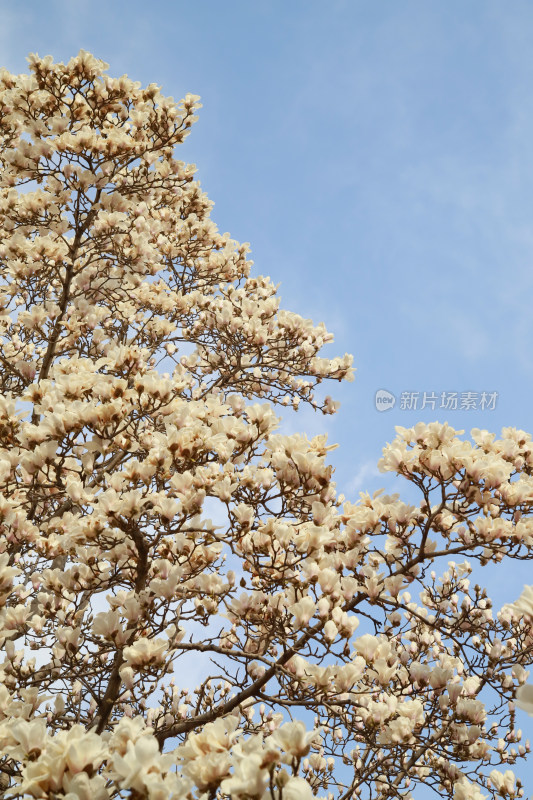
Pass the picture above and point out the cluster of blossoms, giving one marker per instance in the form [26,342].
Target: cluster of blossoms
[78,763]
[141,365]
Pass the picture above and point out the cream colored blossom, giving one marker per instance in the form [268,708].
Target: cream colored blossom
[248,780]
[465,790]
[297,789]
[293,739]
[142,757]
[524,698]
[524,604]
[503,782]
[145,652]
[303,610]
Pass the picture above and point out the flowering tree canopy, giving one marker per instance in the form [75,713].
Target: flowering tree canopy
[332,648]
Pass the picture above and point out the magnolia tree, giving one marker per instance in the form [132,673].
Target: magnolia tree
[301,646]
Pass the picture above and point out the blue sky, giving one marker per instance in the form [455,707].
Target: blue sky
[378,157]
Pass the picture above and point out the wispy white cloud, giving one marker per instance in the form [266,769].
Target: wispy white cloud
[365,478]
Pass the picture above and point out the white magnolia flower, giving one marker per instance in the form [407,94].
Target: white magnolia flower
[145,652]
[366,646]
[524,604]
[464,790]
[293,738]
[298,789]
[23,739]
[524,698]
[132,767]
[249,778]
[503,782]
[303,610]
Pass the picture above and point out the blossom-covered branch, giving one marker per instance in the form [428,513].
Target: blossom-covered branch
[340,647]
